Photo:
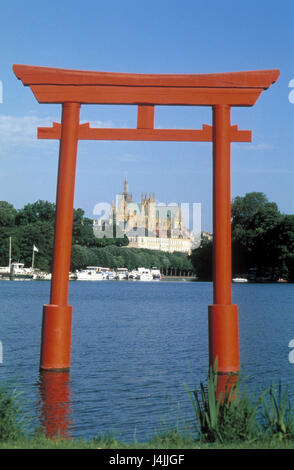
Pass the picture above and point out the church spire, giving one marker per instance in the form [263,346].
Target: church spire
[126,186]
[126,195]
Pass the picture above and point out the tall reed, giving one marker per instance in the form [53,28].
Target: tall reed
[278,413]
[232,416]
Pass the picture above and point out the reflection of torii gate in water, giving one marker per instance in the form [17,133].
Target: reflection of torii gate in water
[72,88]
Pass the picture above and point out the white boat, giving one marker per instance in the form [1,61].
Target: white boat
[107,273]
[133,275]
[42,276]
[156,273]
[121,273]
[144,274]
[18,271]
[110,275]
[4,271]
[240,279]
[91,273]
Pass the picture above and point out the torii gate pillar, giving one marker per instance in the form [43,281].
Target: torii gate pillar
[57,316]
[222,315]
[71,88]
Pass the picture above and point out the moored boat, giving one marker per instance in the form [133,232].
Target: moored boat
[18,271]
[240,279]
[156,273]
[91,273]
[4,271]
[144,274]
[121,273]
[110,275]
[43,276]
[133,275]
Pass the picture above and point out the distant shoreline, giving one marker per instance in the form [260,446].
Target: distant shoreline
[186,278]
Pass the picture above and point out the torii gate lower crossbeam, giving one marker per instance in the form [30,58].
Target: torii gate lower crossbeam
[73,88]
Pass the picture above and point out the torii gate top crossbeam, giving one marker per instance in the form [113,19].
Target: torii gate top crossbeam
[51,85]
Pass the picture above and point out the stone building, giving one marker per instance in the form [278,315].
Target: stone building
[147,224]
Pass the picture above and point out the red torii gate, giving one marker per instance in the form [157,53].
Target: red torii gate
[71,88]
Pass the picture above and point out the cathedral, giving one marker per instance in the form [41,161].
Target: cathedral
[147,224]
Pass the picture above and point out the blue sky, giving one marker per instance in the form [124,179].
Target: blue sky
[152,36]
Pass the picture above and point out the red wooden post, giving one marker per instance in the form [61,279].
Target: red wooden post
[223,316]
[57,316]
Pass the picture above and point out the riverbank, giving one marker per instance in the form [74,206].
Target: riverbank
[179,278]
[169,440]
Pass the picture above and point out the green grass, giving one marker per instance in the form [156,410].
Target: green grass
[170,440]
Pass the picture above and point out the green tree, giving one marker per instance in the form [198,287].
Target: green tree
[254,221]
[201,259]
[80,257]
[7,214]
[262,238]
[38,211]
[279,250]
[252,216]
[40,234]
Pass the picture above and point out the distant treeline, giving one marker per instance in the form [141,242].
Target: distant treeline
[34,225]
[262,241]
[113,257]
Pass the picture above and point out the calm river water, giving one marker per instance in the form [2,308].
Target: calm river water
[134,345]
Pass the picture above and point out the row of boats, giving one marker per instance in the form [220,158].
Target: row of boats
[244,279]
[17,271]
[94,273]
